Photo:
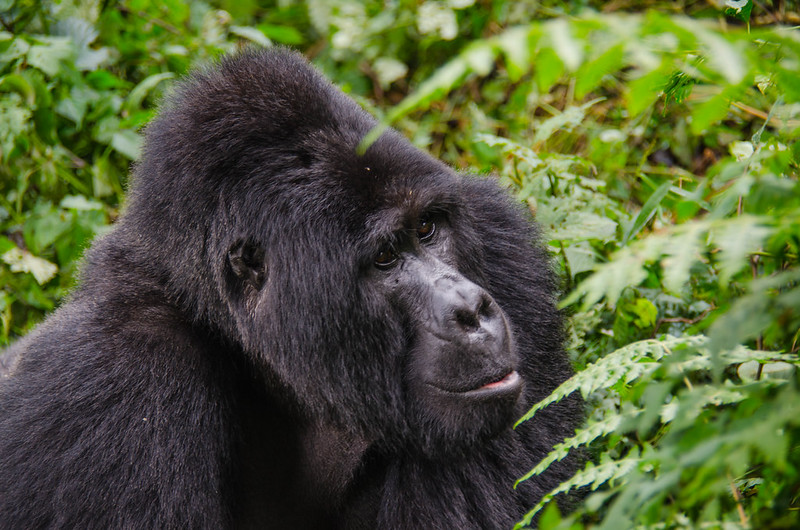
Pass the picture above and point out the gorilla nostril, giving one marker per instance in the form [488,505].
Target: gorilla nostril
[468,320]
[486,308]
[470,315]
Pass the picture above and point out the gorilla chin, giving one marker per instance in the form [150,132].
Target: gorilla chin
[282,331]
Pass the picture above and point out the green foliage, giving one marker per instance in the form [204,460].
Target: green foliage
[701,425]
[658,150]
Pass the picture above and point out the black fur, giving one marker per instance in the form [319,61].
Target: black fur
[234,357]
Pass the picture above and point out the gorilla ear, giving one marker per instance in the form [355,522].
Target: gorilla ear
[247,261]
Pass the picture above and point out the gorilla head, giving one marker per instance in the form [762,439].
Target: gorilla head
[356,282]
[282,331]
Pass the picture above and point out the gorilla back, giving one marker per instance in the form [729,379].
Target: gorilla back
[283,333]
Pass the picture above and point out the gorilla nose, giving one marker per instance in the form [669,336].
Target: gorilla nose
[465,308]
[472,307]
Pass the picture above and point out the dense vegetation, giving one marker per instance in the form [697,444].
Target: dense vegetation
[656,142]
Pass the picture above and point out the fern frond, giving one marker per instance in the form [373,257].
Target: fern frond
[591,475]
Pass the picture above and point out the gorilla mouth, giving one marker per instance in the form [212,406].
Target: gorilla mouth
[511,379]
[509,383]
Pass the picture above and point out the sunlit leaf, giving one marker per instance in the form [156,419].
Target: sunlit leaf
[23,261]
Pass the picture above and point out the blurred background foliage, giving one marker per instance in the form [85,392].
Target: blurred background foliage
[654,141]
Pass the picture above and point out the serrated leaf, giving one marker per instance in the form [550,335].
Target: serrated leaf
[609,280]
[593,476]
[582,437]
[82,33]
[625,364]
[737,239]
[681,251]
[581,257]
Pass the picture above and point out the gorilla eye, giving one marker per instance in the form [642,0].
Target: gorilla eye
[386,258]
[426,229]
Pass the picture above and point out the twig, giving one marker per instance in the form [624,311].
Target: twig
[738,498]
[684,320]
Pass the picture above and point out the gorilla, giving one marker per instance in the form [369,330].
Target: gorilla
[284,331]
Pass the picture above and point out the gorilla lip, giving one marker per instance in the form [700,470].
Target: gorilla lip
[510,379]
[511,383]
[508,384]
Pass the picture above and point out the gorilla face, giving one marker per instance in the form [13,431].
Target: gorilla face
[426,356]
[461,379]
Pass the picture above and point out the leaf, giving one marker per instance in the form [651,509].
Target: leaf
[20,85]
[252,34]
[720,54]
[389,70]
[644,91]
[681,251]
[581,258]
[582,437]
[128,143]
[740,9]
[593,476]
[82,33]
[610,279]
[18,48]
[44,228]
[480,58]
[75,106]
[282,34]
[566,121]
[710,112]
[319,13]
[79,202]
[442,80]
[14,121]
[591,73]
[624,364]
[48,57]
[548,69]
[737,239]
[140,91]
[749,371]
[568,49]
[23,261]
[647,211]
[516,47]
[585,225]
